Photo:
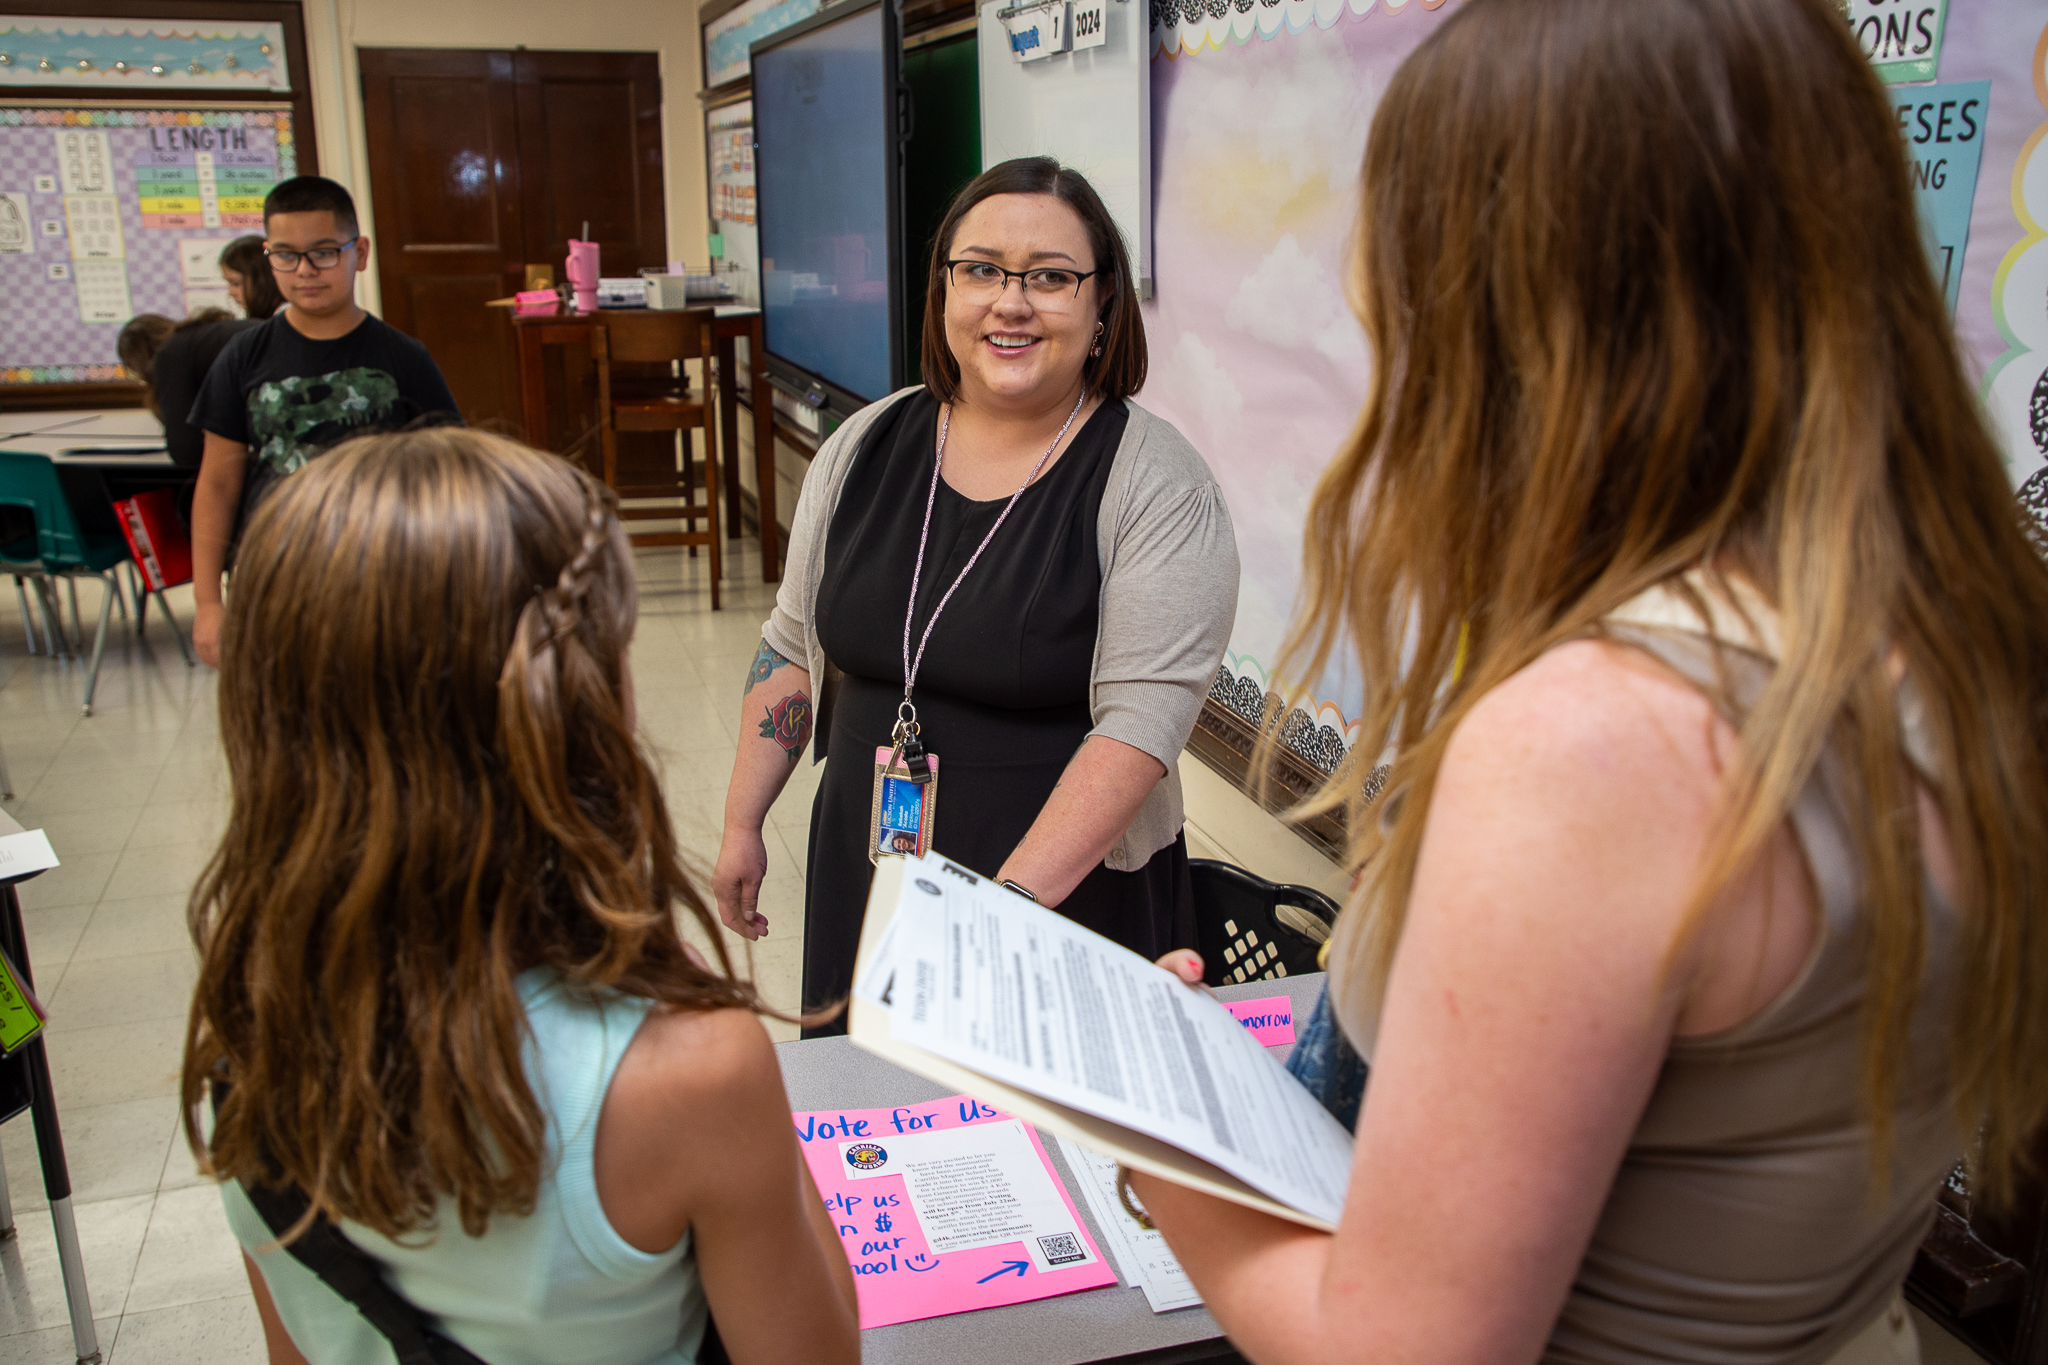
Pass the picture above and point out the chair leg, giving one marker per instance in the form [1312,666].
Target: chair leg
[77,620]
[142,601]
[99,644]
[6,792]
[711,514]
[176,630]
[28,622]
[53,619]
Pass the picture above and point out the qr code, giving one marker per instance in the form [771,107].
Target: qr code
[1061,1248]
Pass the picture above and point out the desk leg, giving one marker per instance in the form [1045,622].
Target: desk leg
[764,456]
[50,1147]
[729,429]
[533,390]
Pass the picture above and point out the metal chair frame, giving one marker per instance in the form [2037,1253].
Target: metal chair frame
[63,551]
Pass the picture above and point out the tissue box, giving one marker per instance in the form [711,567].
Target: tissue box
[622,291]
[668,291]
[685,291]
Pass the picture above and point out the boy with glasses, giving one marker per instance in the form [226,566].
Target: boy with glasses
[318,372]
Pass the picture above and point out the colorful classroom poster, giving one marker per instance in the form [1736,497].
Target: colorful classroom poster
[1943,127]
[1902,38]
[947,1207]
[141,189]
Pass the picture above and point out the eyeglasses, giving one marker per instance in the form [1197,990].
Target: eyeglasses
[1047,287]
[322,257]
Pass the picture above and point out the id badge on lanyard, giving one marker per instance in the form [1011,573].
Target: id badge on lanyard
[904,810]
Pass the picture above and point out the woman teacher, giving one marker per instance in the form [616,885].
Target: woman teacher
[1031,571]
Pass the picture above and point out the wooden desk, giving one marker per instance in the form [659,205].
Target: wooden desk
[539,329]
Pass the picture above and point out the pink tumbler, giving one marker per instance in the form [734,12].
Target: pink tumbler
[581,272]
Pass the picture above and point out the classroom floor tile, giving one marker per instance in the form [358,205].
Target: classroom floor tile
[134,799]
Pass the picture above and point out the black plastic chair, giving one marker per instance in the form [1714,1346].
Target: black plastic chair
[1250,929]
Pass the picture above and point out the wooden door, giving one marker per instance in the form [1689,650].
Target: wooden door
[590,152]
[444,176]
[484,161]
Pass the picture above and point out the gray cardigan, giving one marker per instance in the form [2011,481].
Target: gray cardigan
[1169,600]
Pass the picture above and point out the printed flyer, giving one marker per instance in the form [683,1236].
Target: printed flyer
[947,1207]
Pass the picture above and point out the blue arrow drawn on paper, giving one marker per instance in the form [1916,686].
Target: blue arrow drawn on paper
[1018,1266]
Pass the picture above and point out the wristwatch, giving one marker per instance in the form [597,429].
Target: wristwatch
[1026,894]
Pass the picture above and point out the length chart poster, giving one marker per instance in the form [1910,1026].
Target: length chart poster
[946,1207]
[110,212]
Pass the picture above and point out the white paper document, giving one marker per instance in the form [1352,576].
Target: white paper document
[984,978]
[21,854]
[978,1186]
[1142,1255]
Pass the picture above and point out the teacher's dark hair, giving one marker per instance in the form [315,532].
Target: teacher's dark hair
[1119,371]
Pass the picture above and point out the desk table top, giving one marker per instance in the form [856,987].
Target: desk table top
[1107,1324]
[524,315]
[115,436]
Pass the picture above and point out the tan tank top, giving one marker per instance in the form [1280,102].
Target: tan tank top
[1743,1227]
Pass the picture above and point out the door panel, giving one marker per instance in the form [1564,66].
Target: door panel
[590,146]
[469,340]
[482,162]
[444,158]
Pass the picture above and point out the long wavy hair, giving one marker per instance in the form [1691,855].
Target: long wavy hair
[436,787]
[1646,291]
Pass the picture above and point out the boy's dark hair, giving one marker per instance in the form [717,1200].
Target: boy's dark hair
[312,194]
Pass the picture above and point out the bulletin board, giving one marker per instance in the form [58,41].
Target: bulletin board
[729,147]
[1260,116]
[145,141]
[106,212]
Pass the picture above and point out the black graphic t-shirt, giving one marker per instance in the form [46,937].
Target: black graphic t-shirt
[289,397]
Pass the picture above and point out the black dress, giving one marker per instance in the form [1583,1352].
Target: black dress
[1002,694]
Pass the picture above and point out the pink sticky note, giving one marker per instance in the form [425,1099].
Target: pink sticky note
[1270,1019]
[897,1276]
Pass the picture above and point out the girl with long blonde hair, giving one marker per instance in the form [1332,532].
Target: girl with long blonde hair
[443,996]
[1703,925]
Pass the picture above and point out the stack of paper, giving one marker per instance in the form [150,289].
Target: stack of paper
[974,986]
[1141,1253]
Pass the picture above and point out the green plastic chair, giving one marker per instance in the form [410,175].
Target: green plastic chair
[61,548]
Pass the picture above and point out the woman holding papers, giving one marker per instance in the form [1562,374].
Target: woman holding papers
[1704,925]
[457,1056]
[1008,593]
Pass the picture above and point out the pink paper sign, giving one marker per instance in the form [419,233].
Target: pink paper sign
[1271,1020]
[878,1168]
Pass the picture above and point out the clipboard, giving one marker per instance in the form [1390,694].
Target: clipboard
[868,1028]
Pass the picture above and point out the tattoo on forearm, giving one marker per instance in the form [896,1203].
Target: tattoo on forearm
[766,661]
[789,723]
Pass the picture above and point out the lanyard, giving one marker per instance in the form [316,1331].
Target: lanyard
[905,735]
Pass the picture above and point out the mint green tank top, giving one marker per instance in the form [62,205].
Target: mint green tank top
[557,1285]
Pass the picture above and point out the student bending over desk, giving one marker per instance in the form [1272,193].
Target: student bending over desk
[1703,925]
[442,992]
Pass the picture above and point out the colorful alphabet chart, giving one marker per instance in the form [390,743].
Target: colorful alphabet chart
[110,212]
[947,1207]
